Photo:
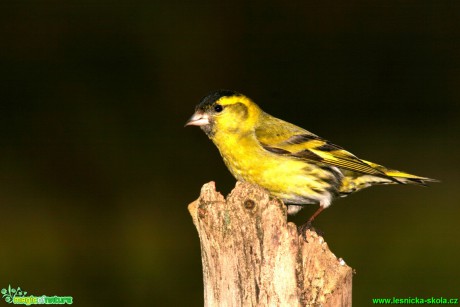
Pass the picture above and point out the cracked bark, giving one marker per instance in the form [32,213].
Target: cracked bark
[252,256]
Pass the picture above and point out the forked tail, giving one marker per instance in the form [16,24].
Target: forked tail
[401,177]
[354,182]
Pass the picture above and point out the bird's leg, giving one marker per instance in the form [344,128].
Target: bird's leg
[308,225]
[320,209]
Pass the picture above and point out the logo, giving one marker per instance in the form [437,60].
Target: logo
[19,297]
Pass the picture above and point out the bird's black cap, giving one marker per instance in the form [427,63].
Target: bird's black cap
[214,96]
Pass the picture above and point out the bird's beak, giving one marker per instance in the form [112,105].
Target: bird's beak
[198,119]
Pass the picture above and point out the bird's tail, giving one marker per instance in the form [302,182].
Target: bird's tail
[356,182]
[401,177]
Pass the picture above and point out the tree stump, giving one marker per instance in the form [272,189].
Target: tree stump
[252,256]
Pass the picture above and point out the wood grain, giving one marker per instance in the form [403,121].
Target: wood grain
[252,256]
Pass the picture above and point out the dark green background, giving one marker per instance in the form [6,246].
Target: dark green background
[97,170]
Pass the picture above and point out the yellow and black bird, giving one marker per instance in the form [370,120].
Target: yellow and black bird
[292,163]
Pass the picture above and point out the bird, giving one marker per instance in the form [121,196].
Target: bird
[293,164]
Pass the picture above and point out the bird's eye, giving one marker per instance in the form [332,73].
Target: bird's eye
[218,108]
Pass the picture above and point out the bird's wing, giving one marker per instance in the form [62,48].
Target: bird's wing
[286,139]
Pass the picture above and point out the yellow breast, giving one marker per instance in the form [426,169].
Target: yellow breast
[288,178]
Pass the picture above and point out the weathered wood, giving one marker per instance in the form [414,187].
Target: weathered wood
[252,256]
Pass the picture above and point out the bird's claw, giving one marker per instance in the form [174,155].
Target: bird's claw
[302,229]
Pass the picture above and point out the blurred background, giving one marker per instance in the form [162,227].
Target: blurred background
[97,170]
